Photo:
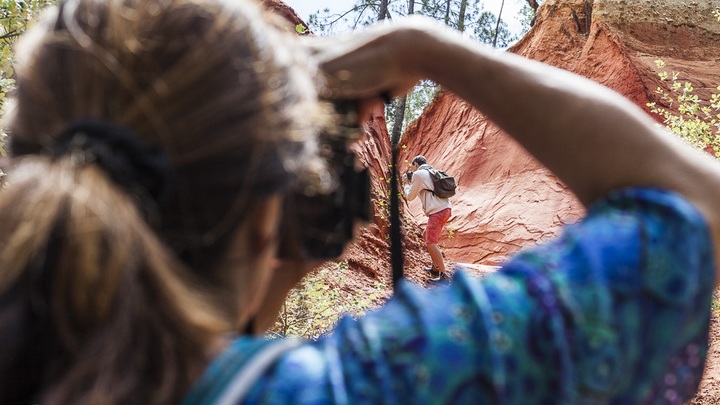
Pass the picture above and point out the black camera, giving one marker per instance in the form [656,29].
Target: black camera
[317,225]
[409,175]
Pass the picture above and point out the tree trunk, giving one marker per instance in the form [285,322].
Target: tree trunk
[447,13]
[399,118]
[382,13]
[461,16]
[401,103]
[497,26]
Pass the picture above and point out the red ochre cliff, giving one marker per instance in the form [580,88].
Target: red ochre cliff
[281,9]
[506,199]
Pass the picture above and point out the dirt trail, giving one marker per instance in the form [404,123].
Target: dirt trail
[709,391]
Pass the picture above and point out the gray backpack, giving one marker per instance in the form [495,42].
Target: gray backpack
[444,185]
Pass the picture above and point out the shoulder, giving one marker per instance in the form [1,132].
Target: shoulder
[300,376]
[641,260]
[672,237]
[423,174]
[664,215]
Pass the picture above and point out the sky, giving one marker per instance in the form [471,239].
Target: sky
[304,8]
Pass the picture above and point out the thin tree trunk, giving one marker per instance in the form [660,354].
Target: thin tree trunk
[497,26]
[447,13]
[401,103]
[399,118]
[382,13]
[461,16]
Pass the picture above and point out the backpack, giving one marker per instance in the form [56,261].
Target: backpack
[443,184]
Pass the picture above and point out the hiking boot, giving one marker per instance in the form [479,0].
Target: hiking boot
[432,270]
[437,277]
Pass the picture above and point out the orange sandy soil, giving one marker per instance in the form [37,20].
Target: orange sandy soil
[709,391]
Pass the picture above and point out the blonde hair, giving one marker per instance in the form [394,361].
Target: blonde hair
[92,292]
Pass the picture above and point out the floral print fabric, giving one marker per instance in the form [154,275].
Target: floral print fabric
[616,310]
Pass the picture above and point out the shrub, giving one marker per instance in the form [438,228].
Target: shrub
[322,298]
[696,121]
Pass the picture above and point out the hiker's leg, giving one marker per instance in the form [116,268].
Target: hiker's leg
[436,256]
[432,237]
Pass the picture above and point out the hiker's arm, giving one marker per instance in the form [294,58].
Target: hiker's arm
[592,138]
[413,189]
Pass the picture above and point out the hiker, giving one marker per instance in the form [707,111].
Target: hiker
[438,211]
[153,148]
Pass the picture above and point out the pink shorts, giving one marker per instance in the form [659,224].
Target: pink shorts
[435,225]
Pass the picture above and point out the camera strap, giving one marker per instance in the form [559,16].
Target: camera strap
[396,256]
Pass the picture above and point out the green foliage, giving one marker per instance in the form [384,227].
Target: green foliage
[382,202]
[484,30]
[363,13]
[314,307]
[697,121]
[301,29]
[15,17]
[467,16]
[471,18]
[419,98]
[451,229]
[526,17]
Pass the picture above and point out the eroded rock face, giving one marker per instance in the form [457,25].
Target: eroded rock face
[624,39]
[506,199]
[371,252]
[282,10]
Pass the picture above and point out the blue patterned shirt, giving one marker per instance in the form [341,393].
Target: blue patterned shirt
[616,310]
